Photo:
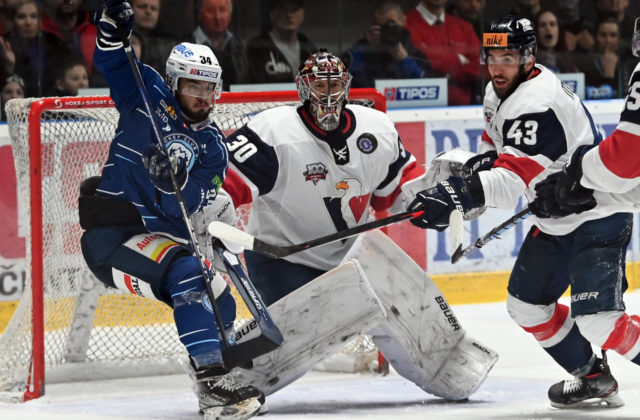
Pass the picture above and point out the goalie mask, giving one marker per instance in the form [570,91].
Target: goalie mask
[323,85]
[195,62]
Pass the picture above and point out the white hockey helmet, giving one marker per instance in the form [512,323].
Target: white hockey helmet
[326,108]
[196,62]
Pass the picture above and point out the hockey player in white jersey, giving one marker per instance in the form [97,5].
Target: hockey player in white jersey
[612,166]
[534,123]
[317,168]
[607,174]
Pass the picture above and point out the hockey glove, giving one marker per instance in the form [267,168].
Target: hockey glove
[561,194]
[114,23]
[480,162]
[159,166]
[438,203]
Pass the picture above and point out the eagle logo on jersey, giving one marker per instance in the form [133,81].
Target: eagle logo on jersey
[182,147]
[347,208]
[315,172]
[367,143]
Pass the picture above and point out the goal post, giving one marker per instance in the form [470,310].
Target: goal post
[66,322]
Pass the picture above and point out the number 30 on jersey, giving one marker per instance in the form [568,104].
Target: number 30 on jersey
[241,148]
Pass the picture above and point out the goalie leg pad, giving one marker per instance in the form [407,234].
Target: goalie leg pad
[421,337]
[317,320]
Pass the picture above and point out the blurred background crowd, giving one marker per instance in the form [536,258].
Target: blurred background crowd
[46,46]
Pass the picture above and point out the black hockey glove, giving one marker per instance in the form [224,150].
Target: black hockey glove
[121,13]
[480,162]
[114,22]
[561,194]
[159,166]
[438,203]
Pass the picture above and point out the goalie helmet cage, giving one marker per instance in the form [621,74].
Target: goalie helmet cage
[65,319]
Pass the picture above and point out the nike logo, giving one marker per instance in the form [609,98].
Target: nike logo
[166,127]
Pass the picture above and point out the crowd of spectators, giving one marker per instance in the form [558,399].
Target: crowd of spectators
[46,46]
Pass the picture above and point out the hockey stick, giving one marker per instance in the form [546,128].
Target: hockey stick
[492,234]
[270,337]
[227,232]
[207,274]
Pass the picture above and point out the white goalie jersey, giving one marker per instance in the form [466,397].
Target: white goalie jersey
[535,131]
[304,183]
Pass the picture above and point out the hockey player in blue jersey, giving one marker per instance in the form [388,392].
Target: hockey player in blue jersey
[136,239]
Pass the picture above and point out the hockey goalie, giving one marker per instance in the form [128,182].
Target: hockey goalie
[318,168]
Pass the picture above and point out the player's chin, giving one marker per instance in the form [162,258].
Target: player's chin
[198,113]
[503,90]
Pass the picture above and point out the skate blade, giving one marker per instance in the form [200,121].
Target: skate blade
[243,410]
[612,401]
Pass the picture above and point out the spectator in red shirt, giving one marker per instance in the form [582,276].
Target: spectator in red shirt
[450,44]
[71,22]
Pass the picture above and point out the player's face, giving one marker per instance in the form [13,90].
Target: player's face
[320,88]
[195,98]
[504,67]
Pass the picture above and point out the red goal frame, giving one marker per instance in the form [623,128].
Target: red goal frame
[36,381]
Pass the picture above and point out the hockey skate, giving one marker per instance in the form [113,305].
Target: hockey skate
[222,398]
[596,390]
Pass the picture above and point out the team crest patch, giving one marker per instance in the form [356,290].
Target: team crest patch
[367,143]
[488,114]
[315,172]
[206,302]
[182,147]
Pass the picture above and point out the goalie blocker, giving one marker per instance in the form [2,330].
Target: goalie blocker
[378,290]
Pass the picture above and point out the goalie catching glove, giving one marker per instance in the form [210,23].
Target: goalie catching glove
[448,195]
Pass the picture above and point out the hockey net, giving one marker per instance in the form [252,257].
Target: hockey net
[66,320]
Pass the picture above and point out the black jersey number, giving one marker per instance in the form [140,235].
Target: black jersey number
[241,148]
[523,133]
[205,60]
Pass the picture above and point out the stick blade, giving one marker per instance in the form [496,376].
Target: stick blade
[456,229]
[230,233]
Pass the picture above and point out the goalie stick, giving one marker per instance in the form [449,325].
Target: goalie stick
[270,337]
[492,234]
[227,232]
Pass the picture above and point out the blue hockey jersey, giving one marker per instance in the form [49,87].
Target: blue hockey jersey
[124,176]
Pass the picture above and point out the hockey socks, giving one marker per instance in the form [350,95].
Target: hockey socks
[193,312]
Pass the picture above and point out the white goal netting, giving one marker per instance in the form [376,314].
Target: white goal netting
[110,333]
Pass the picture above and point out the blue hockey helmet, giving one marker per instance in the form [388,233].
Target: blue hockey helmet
[510,32]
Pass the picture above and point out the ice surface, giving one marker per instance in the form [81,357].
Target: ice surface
[516,388]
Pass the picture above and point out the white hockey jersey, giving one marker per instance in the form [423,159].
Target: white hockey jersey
[535,131]
[615,165]
[304,183]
